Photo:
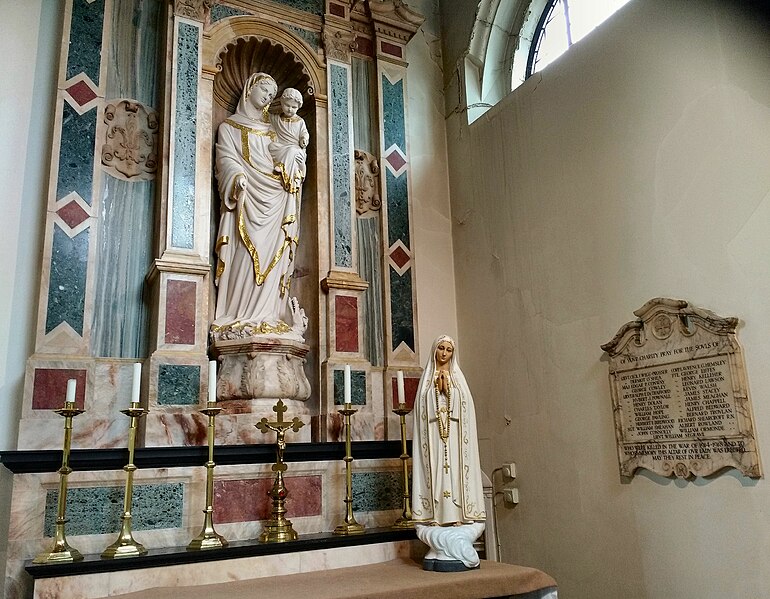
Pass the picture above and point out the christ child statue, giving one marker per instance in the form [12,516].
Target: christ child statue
[291,140]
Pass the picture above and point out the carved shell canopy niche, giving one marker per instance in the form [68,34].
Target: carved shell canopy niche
[254,54]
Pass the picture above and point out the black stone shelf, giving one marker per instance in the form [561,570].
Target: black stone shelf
[172,556]
[49,460]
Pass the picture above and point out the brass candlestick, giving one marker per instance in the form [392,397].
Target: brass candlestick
[125,545]
[278,529]
[61,550]
[208,537]
[405,521]
[350,527]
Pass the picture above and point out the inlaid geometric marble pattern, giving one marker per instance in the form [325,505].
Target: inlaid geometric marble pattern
[97,510]
[72,214]
[81,92]
[398,208]
[399,255]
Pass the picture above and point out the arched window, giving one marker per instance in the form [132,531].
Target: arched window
[563,23]
[512,39]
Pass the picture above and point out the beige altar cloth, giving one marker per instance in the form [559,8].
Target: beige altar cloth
[397,579]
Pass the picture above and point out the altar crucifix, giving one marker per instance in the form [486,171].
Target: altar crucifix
[278,529]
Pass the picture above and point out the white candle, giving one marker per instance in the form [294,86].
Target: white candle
[400,379]
[137,382]
[212,381]
[71,387]
[347,384]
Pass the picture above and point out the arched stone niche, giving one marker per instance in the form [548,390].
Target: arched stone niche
[233,50]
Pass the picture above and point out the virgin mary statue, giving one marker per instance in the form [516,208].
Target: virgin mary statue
[447,492]
[259,223]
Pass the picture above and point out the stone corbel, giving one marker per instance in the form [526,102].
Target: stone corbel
[197,10]
[338,43]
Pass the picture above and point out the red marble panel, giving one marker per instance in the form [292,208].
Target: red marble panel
[346,323]
[337,10]
[49,389]
[247,500]
[410,390]
[392,49]
[180,312]
[399,257]
[364,46]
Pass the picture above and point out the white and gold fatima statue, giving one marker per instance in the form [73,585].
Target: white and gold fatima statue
[447,492]
[259,223]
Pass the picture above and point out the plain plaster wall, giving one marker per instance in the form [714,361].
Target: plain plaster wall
[29,55]
[634,167]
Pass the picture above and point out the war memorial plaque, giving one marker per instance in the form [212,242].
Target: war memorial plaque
[679,393]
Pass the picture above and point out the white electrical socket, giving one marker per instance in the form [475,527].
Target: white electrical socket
[511,495]
[509,470]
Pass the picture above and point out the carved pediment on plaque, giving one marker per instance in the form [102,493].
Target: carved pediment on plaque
[129,151]
[338,43]
[255,54]
[367,179]
[193,9]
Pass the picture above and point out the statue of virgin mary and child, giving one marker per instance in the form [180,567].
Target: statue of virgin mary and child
[259,223]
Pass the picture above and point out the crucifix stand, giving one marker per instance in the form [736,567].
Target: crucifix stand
[278,529]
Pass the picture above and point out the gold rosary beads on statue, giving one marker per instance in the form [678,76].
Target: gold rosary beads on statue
[443,416]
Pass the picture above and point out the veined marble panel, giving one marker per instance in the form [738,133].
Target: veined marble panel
[85,43]
[121,321]
[339,98]
[132,67]
[369,268]
[185,136]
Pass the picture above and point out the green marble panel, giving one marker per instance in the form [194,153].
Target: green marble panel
[357,387]
[178,385]
[377,491]
[97,510]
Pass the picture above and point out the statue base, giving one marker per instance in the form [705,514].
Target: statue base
[450,547]
[261,368]
[254,373]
